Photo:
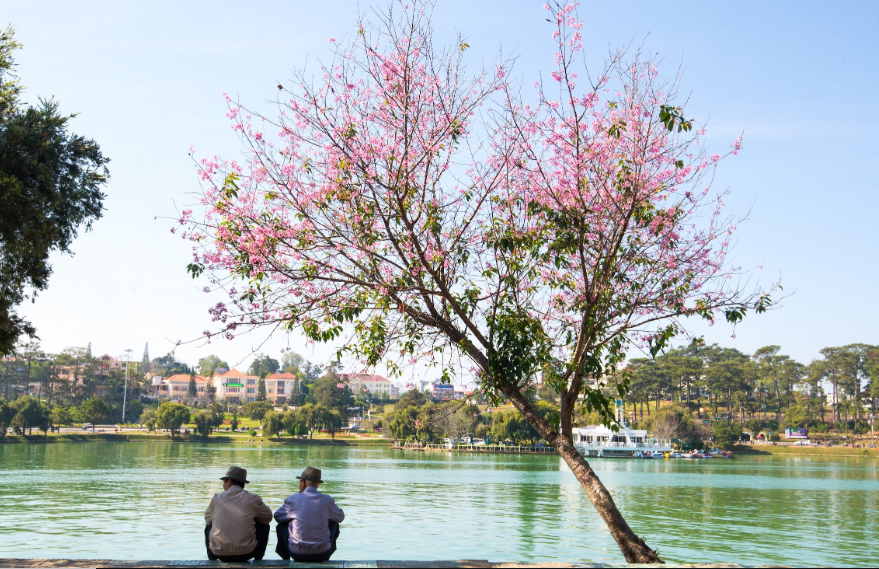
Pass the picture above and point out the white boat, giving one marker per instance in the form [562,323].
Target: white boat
[600,441]
[623,442]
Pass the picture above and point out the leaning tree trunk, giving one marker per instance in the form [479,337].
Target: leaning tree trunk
[633,547]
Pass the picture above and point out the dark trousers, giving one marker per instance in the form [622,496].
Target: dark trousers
[283,531]
[262,541]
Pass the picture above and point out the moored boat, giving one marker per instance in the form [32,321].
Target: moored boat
[621,442]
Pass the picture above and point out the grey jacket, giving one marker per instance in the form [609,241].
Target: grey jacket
[231,515]
[308,513]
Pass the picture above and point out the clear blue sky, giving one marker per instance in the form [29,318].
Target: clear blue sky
[799,78]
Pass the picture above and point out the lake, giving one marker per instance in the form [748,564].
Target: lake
[147,501]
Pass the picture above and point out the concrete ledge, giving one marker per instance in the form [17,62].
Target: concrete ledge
[340,564]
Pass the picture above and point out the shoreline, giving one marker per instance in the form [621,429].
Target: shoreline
[65,438]
[218,439]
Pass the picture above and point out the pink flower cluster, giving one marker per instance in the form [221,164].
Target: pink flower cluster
[410,203]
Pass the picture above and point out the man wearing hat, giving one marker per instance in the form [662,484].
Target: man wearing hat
[308,521]
[237,521]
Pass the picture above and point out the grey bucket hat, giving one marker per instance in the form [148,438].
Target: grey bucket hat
[236,473]
[310,473]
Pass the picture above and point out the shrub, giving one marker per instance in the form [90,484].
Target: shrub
[726,434]
[204,422]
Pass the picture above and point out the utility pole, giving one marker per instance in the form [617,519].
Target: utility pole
[125,391]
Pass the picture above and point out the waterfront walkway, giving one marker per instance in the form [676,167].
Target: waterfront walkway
[379,564]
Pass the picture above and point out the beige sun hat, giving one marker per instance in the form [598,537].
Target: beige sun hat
[237,473]
[310,473]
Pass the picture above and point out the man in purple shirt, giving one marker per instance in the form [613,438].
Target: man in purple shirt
[308,522]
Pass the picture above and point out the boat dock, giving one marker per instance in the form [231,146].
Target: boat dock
[493,449]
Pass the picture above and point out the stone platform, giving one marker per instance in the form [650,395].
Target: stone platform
[378,564]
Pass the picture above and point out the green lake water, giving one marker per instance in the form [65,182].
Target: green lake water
[146,501]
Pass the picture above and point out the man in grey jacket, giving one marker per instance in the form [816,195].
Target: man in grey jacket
[308,522]
[237,521]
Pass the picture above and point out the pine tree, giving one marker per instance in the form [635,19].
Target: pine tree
[191,392]
[145,367]
[88,351]
[261,391]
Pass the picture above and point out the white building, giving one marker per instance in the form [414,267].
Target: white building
[235,387]
[176,387]
[108,363]
[281,386]
[374,384]
[442,391]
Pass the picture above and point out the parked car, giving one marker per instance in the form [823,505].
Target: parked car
[804,443]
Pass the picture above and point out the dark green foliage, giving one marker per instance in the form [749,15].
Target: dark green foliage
[208,365]
[133,409]
[167,365]
[29,413]
[50,184]
[191,390]
[273,424]
[94,411]
[171,416]
[6,414]
[327,392]
[412,397]
[256,410]
[206,422]
[148,418]
[263,365]
[261,390]
[726,434]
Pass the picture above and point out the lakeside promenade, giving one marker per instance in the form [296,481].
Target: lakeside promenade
[378,564]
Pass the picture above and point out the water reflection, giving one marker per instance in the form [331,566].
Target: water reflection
[145,500]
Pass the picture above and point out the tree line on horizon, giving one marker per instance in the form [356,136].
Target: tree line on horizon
[719,381]
[43,390]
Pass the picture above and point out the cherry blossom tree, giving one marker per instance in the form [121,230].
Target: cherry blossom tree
[416,212]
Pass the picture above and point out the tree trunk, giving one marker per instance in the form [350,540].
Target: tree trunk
[633,547]
[777,401]
[835,404]
[729,406]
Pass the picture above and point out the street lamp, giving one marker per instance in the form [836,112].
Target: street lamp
[125,391]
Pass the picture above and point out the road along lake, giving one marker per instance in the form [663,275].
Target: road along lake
[146,501]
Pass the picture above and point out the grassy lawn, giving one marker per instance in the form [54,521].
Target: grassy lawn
[804,450]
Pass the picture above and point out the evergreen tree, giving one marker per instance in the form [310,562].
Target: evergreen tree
[191,392]
[145,366]
[261,391]
[263,365]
